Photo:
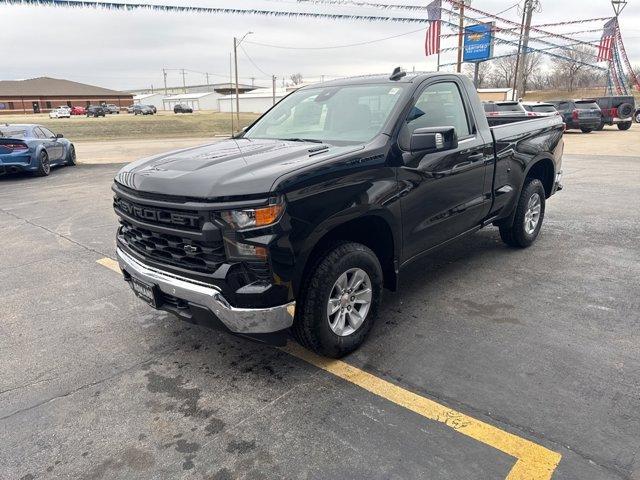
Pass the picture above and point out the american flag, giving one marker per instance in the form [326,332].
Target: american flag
[432,41]
[606,42]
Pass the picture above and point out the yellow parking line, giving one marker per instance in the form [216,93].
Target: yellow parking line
[110,263]
[533,461]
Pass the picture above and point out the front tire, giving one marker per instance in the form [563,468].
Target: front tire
[339,300]
[71,156]
[44,167]
[586,130]
[600,127]
[624,126]
[528,217]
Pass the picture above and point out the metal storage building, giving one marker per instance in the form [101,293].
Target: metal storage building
[197,101]
[154,99]
[257,101]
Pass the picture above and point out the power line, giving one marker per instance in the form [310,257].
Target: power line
[285,47]
[254,63]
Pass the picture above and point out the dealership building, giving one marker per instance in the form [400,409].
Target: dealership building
[40,95]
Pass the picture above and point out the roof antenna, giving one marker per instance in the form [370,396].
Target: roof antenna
[397,74]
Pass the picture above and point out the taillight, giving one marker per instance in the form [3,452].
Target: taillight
[15,146]
[574,114]
[614,112]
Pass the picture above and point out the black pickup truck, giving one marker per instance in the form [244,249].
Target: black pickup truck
[300,222]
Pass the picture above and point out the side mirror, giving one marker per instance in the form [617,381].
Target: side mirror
[59,135]
[433,139]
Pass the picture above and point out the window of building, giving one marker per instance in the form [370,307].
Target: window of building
[48,104]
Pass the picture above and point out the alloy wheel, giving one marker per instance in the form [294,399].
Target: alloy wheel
[349,302]
[532,215]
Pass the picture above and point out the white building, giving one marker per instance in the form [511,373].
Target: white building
[154,99]
[197,101]
[257,101]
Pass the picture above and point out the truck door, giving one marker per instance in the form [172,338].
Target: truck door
[443,191]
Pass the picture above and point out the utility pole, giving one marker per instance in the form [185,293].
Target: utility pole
[235,59]
[184,80]
[164,74]
[529,6]
[231,99]
[207,75]
[237,42]
[460,35]
[273,85]
[253,81]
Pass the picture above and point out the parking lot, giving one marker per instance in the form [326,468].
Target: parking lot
[489,363]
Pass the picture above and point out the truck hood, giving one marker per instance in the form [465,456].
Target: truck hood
[230,168]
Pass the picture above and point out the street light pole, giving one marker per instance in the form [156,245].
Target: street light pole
[237,43]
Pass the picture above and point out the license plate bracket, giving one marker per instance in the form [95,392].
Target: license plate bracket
[145,291]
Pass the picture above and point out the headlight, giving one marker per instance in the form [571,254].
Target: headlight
[253,217]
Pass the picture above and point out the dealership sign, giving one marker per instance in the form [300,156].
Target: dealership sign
[478,42]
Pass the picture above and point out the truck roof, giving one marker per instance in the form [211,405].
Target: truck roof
[410,77]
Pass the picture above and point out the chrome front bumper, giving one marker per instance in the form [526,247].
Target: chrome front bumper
[237,320]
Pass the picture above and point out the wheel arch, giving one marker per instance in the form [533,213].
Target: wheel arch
[373,230]
[544,169]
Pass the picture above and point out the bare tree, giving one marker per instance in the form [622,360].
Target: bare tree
[484,71]
[296,78]
[503,71]
[573,67]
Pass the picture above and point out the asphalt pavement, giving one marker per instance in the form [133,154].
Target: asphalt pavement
[543,344]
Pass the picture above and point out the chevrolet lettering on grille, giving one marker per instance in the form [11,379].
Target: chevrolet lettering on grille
[151,214]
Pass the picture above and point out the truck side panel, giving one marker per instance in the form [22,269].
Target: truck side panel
[518,146]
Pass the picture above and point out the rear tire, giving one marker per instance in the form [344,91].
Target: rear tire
[624,126]
[339,300]
[528,217]
[586,130]
[44,168]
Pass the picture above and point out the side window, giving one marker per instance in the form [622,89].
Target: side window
[38,133]
[43,133]
[440,105]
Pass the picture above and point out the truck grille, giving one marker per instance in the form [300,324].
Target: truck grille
[173,250]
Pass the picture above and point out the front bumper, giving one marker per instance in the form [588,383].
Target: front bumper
[200,296]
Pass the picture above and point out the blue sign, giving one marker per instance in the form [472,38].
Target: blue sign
[478,42]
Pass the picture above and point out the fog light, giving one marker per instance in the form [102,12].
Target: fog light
[241,250]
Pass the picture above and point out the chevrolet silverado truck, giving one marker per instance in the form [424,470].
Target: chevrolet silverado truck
[298,223]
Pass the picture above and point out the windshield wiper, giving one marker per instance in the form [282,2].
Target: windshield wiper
[312,140]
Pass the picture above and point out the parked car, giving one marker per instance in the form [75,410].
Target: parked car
[77,110]
[153,107]
[111,108]
[617,111]
[142,110]
[96,111]
[540,109]
[581,115]
[497,109]
[33,148]
[636,116]
[182,108]
[60,113]
[300,221]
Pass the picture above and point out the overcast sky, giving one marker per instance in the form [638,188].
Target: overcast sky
[127,50]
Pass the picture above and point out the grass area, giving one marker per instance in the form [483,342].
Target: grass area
[127,126]
[545,95]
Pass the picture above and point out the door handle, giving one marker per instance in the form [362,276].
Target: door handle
[475,157]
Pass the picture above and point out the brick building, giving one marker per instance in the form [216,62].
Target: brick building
[40,95]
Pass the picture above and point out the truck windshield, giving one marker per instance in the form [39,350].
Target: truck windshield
[350,114]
